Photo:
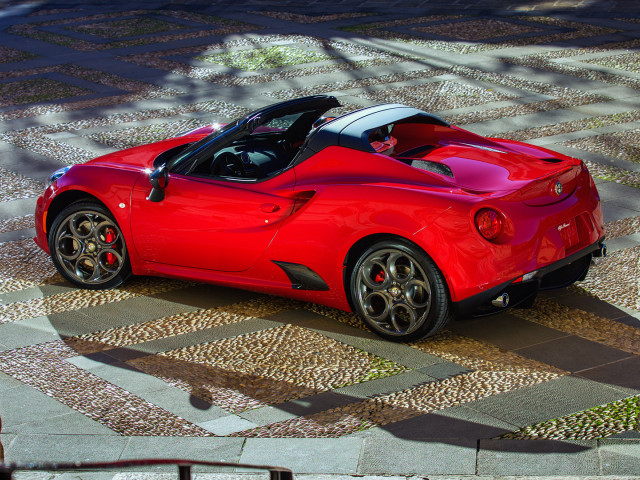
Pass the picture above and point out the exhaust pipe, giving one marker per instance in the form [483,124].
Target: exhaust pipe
[502,301]
[602,252]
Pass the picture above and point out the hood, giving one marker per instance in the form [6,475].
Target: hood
[139,158]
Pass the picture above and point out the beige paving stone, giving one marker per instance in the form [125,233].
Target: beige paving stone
[78,299]
[17,223]
[42,367]
[585,324]
[266,367]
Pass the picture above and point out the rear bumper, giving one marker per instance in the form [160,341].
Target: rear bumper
[559,274]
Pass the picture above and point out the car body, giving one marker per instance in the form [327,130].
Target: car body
[443,223]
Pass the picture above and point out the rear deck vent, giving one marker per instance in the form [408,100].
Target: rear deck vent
[551,160]
[434,167]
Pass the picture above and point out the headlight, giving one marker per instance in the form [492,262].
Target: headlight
[57,174]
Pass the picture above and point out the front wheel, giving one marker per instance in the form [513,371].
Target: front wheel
[88,248]
[399,292]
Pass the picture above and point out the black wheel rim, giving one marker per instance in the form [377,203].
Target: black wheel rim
[89,247]
[393,292]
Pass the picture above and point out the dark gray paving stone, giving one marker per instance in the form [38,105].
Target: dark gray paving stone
[590,304]
[17,208]
[537,457]
[506,331]
[620,456]
[305,455]
[572,354]
[553,399]
[444,370]
[35,292]
[65,448]
[210,449]
[129,378]
[207,296]
[266,415]
[623,373]
[611,212]
[390,455]
[16,334]
[207,335]
[629,434]
[228,424]
[17,235]
[446,426]
[622,243]
[7,382]
[316,403]
[24,405]
[382,386]
[184,405]
[125,312]
[30,164]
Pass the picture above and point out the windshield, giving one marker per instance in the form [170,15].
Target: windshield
[199,145]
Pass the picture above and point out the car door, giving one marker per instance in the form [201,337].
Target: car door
[210,223]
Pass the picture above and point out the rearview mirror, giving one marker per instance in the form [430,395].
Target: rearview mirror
[159,179]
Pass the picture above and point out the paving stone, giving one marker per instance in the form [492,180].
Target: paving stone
[553,399]
[186,406]
[623,373]
[444,425]
[206,296]
[16,335]
[506,331]
[315,403]
[129,378]
[267,415]
[17,235]
[23,405]
[17,208]
[305,455]
[444,370]
[203,449]
[572,354]
[35,292]
[418,456]
[381,386]
[622,243]
[132,310]
[227,425]
[620,456]
[64,448]
[367,341]
[7,383]
[207,335]
[612,212]
[537,458]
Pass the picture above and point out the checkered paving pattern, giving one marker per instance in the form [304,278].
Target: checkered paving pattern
[79,83]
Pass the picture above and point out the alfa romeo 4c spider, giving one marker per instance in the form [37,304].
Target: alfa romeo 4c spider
[386,211]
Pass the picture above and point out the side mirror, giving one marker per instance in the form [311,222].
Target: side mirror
[159,179]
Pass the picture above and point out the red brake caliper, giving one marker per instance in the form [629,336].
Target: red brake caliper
[110,237]
[380,277]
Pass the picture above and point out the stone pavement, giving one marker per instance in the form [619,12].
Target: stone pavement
[175,369]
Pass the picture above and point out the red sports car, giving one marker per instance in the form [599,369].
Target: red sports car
[387,211]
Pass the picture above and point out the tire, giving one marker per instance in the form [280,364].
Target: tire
[399,292]
[88,248]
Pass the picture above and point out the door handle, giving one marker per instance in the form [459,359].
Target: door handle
[269,207]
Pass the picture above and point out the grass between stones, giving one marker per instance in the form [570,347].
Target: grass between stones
[597,422]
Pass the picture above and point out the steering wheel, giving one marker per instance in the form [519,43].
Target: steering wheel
[228,164]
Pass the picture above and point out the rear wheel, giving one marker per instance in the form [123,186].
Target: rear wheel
[88,248]
[399,292]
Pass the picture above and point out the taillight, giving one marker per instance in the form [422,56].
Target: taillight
[488,223]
